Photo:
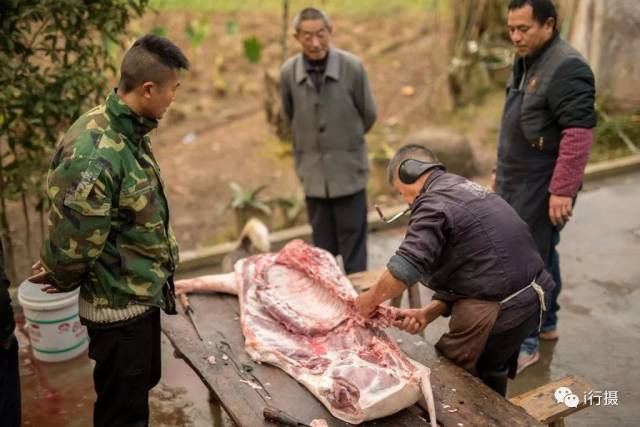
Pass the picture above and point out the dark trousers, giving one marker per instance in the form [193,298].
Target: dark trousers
[128,365]
[340,227]
[499,359]
[553,266]
[550,318]
[9,386]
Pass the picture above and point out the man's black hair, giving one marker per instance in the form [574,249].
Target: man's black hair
[411,151]
[311,14]
[151,58]
[542,9]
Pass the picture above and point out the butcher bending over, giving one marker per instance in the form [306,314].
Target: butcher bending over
[474,251]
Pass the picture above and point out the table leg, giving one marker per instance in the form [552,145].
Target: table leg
[216,410]
[395,302]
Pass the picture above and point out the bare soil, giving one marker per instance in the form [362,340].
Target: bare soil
[216,131]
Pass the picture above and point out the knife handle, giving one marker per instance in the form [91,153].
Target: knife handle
[184,301]
[281,417]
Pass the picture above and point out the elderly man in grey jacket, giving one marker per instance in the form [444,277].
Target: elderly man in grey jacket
[328,103]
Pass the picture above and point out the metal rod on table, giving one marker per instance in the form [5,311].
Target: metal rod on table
[189,311]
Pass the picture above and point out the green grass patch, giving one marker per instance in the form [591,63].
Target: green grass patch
[609,143]
[335,7]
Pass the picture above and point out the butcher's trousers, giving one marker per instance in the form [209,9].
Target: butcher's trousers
[499,358]
[340,227]
[128,365]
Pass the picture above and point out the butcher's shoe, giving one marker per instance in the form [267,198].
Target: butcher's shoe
[525,360]
[551,335]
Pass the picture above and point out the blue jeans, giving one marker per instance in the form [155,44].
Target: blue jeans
[550,319]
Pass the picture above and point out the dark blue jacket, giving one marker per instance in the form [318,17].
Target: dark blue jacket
[466,242]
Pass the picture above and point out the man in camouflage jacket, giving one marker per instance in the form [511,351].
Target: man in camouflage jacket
[109,231]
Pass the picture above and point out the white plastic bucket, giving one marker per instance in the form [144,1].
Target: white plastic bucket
[52,320]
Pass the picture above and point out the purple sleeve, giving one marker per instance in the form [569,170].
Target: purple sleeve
[572,160]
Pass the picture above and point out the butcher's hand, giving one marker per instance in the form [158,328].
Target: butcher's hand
[560,209]
[366,303]
[412,320]
[386,287]
[41,277]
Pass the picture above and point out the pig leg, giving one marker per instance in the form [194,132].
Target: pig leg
[225,283]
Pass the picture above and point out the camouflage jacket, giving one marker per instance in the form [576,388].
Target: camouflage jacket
[109,226]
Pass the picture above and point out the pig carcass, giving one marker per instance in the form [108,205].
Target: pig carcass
[298,313]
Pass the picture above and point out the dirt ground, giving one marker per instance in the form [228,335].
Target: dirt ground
[216,131]
[210,139]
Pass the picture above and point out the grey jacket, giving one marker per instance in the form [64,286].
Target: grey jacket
[328,127]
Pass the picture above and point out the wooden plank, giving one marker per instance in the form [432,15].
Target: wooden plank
[541,402]
[461,398]
[218,319]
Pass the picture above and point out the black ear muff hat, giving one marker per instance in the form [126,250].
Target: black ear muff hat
[411,169]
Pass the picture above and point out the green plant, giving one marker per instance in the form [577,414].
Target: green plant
[291,208]
[159,30]
[252,49]
[231,27]
[53,58]
[197,31]
[248,199]
[610,136]
[382,154]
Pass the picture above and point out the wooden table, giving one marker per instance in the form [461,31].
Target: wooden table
[244,387]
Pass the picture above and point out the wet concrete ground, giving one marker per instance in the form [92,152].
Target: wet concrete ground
[600,332]
[600,303]
[62,395]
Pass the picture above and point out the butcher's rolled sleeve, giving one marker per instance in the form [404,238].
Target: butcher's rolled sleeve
[403,270]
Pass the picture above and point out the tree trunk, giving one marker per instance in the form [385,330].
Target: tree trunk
[285,29]
[27,220]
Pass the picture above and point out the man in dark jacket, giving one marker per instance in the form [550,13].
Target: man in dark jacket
[327,101]
[545,138]
[473,250]
[10,412]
